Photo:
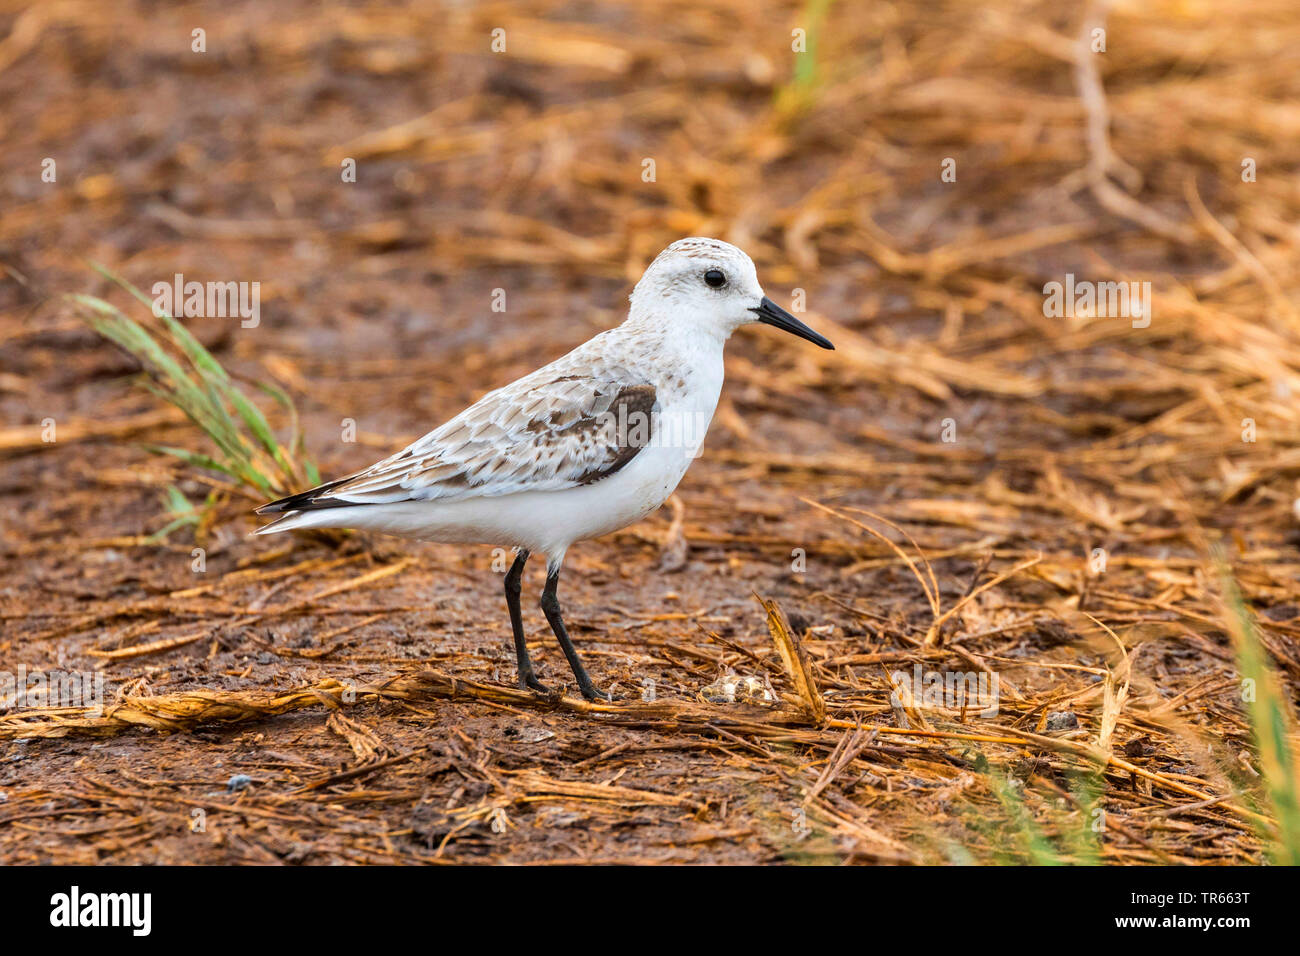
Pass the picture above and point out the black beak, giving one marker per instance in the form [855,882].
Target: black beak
[769,313]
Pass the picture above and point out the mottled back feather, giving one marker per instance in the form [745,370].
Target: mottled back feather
[574,422]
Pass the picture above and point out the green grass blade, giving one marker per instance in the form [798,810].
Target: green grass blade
[183,373]
[198,354]
[1271,723]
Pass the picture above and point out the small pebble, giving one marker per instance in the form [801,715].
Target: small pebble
[1062,720]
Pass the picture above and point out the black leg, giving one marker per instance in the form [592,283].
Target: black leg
[513,586]
[551,605]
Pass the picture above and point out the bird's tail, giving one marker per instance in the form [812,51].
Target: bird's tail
[306,509]
[294,520]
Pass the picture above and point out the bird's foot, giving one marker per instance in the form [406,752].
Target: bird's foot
[592,692]
[529,681]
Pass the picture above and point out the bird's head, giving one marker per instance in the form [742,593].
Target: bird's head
[710,285]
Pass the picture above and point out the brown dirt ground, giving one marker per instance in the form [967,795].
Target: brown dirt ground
[522,171]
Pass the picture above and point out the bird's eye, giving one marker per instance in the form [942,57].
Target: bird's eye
[715,278]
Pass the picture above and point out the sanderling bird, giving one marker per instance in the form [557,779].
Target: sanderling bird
[589,444]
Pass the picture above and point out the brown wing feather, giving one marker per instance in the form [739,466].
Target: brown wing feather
[560,432]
